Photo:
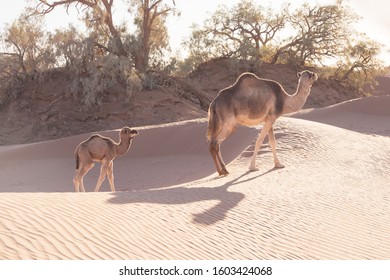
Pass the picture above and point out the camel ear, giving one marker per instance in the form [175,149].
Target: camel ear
[299,74]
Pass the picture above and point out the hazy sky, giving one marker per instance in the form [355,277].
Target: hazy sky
[375,18]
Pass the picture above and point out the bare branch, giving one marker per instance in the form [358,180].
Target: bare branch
[48,7]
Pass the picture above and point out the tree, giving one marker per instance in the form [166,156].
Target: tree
[26,43]
[321,33]
[359,65]
[152,33]
[26,54]
[92,73]
[68,45]
[244,31]
[150,18]
[98,13]
[361,58]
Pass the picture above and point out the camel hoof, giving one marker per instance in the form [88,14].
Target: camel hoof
[223,172]
[279,165]
[253,169]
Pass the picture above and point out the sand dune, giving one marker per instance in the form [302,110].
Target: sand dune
[332,201]
[368,115]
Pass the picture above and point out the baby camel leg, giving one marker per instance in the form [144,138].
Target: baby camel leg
[76,182]
[259,142]
[102,176]
[110,175]
[272,143]
[78,178]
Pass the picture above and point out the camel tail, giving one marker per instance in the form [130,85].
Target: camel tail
[213,125]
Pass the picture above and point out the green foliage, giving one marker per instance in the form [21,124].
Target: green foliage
[91,71]
[26,42]
[94,74]
[69,46]
[26,55]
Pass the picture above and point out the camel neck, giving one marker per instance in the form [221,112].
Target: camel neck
[295,102]
[123,146]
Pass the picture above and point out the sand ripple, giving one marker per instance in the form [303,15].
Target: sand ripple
[332,201]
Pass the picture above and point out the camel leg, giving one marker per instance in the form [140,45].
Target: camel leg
[272,143]
[78,178]
[259,142]
[110,175]
[76,181]
[215,149]
[223,165]
[102,176]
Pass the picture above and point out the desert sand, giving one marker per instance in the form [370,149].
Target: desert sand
[331,201]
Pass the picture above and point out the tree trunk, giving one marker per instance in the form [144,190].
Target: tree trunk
[114,32]
[275,57]
[350,70]
[143,51]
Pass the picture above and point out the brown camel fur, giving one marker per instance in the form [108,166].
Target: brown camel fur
[100,149]
[251,101]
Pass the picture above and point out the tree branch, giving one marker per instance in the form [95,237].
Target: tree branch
[51,6]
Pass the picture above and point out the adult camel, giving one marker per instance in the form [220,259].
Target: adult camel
[251,101]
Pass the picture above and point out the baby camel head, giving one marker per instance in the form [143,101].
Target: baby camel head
[127,132]
[307,77]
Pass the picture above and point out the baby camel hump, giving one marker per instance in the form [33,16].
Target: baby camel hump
[99,148]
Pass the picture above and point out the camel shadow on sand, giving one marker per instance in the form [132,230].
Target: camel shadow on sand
[190,194]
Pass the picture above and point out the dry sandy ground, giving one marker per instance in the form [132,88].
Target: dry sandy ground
[332,201]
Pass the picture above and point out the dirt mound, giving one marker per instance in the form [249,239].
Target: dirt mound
[31,118]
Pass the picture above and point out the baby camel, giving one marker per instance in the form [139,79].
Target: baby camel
[100,149]
[251,101]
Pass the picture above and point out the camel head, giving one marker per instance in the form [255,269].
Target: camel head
[307,76]
[127,132]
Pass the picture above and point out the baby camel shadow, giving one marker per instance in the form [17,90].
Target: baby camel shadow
[183,195]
